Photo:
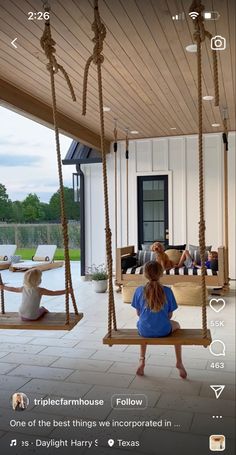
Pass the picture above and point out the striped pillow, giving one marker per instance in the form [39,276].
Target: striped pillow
[145,256]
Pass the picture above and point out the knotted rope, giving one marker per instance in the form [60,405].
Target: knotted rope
[48,45]
[127,184]
[115,152]
[199,36]
[203,33]
[97,58]
[226,204]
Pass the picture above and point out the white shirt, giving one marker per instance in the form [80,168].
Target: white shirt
[30,303]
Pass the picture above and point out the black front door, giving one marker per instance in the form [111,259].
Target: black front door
[153,210]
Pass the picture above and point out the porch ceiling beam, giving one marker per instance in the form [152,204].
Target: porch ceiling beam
[20,101]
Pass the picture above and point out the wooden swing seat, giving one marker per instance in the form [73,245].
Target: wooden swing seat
[180,336]
[50,321]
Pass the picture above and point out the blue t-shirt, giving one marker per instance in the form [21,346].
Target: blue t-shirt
[151,323]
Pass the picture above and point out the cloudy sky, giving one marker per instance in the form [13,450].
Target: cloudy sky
[28,157]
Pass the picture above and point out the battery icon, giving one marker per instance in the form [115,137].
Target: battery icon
[211,15]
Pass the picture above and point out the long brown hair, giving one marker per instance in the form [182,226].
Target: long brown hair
[153,291]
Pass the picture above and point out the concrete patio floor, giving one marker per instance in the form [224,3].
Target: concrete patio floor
[76,364]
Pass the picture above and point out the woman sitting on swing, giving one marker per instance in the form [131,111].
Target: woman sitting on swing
[155,304]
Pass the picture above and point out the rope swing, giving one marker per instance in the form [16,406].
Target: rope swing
[127,183]
[226,203]
[48,46]
[115,162]
[199,36]
[51,321]
[97,58]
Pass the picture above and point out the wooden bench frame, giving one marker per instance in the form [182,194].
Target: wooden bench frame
[219,280]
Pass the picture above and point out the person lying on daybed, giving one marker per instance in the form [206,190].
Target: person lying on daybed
[186,259]
[30,309]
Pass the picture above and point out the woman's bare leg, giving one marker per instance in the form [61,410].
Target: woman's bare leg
[178,353]
[140,370]
[183,258]
[179,363]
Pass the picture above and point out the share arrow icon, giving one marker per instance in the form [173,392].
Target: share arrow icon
[218,389]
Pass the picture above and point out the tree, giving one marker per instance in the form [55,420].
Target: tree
[5,204]
[32,209]
[45,208]
[17,212]
[71,207]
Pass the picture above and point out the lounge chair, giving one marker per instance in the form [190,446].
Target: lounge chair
[6,252]
[42,260]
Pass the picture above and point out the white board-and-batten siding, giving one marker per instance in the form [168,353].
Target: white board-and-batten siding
[176,157]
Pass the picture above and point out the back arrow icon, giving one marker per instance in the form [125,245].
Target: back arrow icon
[13,43]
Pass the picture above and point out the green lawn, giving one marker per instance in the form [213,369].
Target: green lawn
[27,253]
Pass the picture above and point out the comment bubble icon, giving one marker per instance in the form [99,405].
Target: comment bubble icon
[217,348]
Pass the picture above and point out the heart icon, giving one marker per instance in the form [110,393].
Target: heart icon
[217,304]
[111,442]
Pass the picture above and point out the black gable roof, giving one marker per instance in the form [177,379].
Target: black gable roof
[79,153]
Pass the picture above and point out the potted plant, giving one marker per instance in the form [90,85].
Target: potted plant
[99,278]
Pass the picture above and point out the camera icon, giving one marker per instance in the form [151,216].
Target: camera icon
[218,43]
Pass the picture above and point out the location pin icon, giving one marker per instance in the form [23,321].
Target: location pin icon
[111,442]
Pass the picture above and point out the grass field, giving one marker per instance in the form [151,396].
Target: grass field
[27,254]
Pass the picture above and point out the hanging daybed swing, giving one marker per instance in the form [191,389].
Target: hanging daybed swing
[130,336]
[51,321]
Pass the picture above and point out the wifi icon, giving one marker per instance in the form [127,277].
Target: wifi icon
[193,14]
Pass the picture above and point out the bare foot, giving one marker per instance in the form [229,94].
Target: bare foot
[182,371]
[140,370]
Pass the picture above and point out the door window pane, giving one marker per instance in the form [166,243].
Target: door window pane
[148,211]
[158,184]
[159,231]
[153,190]
[159,211]
[153,211]
[153,231]
[148,232]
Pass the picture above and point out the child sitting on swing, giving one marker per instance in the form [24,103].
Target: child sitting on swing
[155,304]
[30,309]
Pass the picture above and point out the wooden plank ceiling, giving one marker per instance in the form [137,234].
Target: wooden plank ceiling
[149,79]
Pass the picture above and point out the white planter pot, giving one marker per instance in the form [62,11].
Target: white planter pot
[100,285]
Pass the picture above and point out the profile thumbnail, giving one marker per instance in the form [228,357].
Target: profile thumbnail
[19,401]
[217,442]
